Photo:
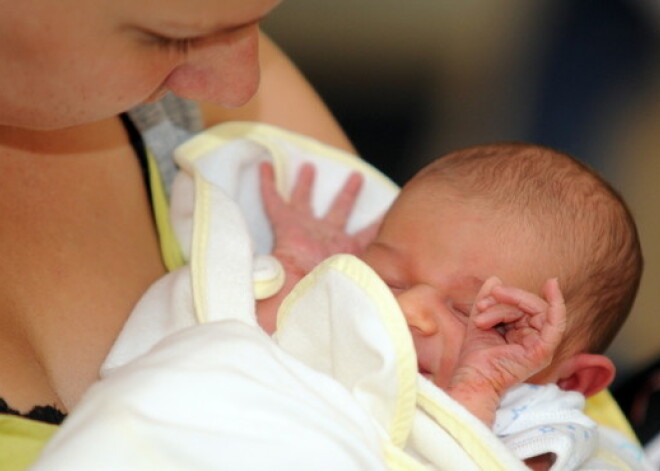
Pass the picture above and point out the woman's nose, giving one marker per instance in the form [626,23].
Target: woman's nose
[223,70]
[419,309]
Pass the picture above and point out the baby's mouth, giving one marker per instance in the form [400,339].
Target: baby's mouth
[423,371]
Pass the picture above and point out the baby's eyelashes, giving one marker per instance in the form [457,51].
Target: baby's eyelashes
[462,309]
[395,288]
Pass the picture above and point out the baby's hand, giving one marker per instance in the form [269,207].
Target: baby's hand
[511,335]
[303,240]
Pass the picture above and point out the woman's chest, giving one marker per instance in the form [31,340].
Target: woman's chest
[79,247]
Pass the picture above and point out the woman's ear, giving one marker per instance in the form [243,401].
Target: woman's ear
[587,373]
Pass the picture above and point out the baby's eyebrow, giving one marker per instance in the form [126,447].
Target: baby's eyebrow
[465,289]
[470,282]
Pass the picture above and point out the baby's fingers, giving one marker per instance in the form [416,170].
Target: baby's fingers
[343,204]
[523,300]
[302,189]
[269,194]
[555,324]
[498,314]
[483,300]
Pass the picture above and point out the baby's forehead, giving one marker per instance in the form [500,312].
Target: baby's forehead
[464,286]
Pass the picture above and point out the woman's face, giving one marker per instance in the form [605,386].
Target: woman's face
[70,62]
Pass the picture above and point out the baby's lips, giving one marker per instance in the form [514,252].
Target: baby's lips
[423,371]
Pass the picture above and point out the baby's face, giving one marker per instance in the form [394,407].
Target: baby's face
[435,252]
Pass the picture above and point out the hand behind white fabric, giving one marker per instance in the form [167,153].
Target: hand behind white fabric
[301,239]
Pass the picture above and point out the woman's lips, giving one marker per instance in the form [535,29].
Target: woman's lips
[159,93]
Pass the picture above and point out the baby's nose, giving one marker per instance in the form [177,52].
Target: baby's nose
[419,309]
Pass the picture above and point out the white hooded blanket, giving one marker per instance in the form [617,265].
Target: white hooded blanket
[193,383]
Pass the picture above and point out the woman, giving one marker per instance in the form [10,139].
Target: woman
[78,237]
[79,241]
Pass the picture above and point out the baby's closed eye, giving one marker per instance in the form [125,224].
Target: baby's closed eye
[395,286]
[462,309]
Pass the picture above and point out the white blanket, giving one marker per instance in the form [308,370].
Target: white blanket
[194,384]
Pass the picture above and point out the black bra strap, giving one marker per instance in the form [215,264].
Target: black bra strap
[137,143]
[48,414]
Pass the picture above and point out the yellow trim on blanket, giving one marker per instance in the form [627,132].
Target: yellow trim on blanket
[267,135]
[198,261]
[399,460]
[464,434]
[364,277]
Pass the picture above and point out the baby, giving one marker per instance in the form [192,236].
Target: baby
[530,216]
[474,250]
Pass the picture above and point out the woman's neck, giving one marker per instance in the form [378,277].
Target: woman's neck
[87,138]
[79,247]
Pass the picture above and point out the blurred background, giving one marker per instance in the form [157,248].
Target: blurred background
[410,80]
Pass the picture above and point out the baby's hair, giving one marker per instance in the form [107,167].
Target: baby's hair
[574,213]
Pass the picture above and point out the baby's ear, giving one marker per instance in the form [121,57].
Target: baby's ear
[587,373]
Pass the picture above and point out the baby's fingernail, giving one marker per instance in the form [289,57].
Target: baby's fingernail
[485,302]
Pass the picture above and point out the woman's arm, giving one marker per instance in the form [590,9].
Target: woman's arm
[286,99]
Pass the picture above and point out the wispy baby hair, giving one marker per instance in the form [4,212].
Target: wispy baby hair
[576,215]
